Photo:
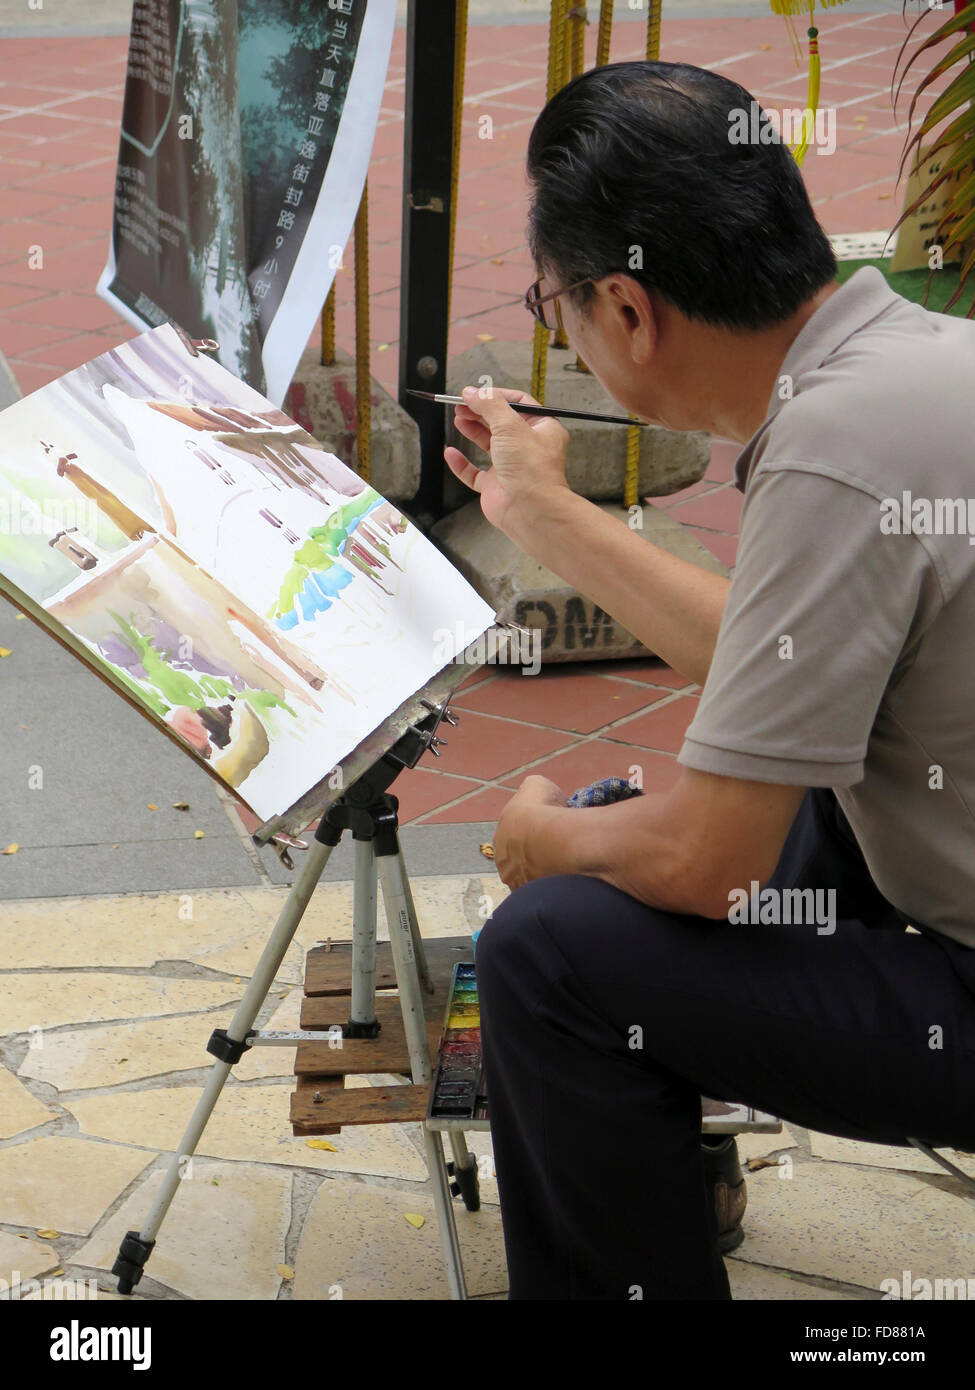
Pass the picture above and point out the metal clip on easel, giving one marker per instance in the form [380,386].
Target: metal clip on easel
[371,813]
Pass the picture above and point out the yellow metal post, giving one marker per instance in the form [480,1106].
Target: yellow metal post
[328,328]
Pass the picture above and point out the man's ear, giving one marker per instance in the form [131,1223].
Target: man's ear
[638,317]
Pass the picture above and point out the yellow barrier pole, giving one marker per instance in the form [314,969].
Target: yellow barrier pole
[328,329]
[631,485]
[556,64]
[574,61]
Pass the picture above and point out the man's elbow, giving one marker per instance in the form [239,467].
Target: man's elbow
[701,900]
[683,885]
[700,889]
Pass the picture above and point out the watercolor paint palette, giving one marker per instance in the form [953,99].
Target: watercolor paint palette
[458,1094]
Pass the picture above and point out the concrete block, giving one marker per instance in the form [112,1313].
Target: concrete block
[572,627]
[323,401]
[596,462]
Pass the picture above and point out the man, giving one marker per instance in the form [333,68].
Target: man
[832,749]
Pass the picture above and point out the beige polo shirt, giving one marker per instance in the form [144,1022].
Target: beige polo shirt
[846,653]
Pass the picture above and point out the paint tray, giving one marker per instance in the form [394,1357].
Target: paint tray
[458,1095]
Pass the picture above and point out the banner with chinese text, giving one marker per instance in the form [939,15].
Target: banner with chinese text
[246,132]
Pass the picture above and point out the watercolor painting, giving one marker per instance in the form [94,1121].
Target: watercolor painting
[246,588]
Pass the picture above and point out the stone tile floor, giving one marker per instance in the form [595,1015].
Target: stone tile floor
[106,1003]
[105,1008]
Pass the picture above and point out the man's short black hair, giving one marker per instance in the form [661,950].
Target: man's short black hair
[640,155]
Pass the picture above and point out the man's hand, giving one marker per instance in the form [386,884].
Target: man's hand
[530,806]
[683,850]
[527,456]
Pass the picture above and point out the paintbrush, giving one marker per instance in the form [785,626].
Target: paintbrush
[533,409]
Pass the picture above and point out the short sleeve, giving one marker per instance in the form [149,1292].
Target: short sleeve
[822,610]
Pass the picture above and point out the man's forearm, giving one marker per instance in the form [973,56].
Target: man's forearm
[672,606]
[633,848]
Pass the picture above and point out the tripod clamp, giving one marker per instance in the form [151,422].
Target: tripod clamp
[367,808]
[131,1260]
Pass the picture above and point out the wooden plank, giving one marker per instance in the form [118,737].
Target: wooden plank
[359,1056]
[320,1014]
[362,1105]
[321,1067]
[324,1086]
[329,970]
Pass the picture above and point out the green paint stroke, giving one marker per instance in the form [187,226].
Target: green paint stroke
[169,688]
[322,549]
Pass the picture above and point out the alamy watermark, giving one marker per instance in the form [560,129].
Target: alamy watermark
[925,1290]
[770,127]
[496,647]
[51,1288]
[22,516]
[908,515]
[784,907]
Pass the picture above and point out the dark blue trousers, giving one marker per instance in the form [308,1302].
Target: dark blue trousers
[604,1021]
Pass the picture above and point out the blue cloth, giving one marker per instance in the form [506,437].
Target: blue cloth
[603,793]
[596,794]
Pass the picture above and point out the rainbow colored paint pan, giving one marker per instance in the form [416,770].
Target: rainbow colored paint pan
[458,1097]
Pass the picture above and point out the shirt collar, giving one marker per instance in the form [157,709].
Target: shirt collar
[856,303]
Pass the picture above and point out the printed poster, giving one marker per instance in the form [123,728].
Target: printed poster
[246,132]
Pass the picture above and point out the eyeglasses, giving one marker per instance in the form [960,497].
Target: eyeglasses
[535,303]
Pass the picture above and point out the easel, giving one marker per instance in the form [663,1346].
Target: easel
[370,812]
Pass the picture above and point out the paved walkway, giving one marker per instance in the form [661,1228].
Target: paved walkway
[106,1001]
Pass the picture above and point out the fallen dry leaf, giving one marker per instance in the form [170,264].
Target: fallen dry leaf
[321,1144]
[285,1271]
[484,337]
[181,805]
[487,850]
[382,347]
[197,834]
[48,1234]
[496,260]
[152,806]
[4,651]
[413,1219]
[755,1164]
[11,849]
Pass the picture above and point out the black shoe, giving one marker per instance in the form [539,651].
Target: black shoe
[722,1171]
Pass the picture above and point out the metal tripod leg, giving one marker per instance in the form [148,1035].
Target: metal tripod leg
[363,1007]
[426,979]
[136,1247]
[396,897]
